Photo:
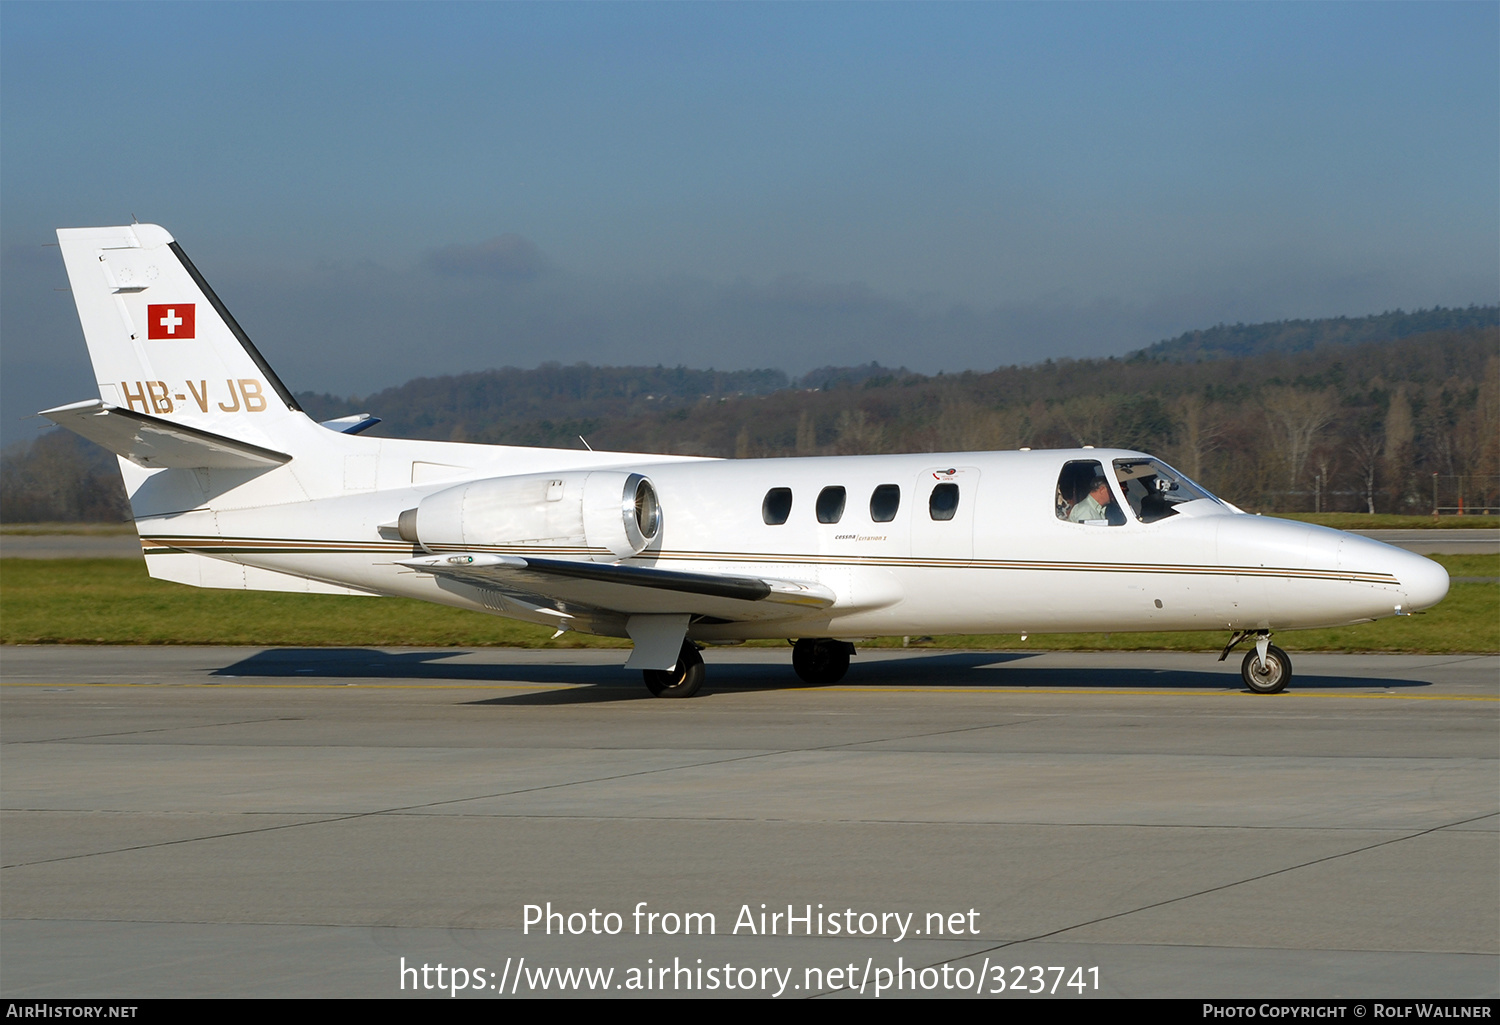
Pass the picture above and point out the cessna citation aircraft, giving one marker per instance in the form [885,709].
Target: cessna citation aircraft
[232,485]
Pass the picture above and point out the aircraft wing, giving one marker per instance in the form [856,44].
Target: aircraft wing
[632,590]
[155,443]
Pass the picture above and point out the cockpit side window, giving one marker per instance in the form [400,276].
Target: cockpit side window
[1084,495]
[1154,489]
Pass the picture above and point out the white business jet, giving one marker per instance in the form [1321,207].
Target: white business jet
[232,485]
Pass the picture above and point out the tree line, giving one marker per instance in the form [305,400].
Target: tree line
[1358,429]
[1366,427]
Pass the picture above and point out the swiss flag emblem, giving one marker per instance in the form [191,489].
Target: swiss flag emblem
[169,320]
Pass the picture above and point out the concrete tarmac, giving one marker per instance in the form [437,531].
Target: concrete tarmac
[70,546]
[1440,541]
[248,822]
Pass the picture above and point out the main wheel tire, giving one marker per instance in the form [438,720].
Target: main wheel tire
[683,679]
[1270,678]
[819,662]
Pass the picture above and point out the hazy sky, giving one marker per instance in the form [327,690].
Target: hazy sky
[384,191]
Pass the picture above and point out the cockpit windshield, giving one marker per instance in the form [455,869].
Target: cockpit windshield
[1154,489]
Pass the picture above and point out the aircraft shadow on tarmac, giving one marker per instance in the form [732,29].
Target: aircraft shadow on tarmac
[614,683]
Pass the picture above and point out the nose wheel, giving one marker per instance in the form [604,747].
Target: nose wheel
[1268,674]
[1267,669]
[683,679]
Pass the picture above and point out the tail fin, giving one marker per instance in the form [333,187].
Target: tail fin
[161,341]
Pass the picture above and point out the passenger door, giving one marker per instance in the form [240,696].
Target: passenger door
[940,529]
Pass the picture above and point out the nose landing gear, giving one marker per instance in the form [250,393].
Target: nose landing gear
[1267,669]
[1268,673]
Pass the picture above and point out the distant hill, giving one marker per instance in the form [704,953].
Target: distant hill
[568,400]
[1233,341]
[553,404]
[869,375]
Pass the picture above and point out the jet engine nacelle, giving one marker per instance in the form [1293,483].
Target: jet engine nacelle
[585,509]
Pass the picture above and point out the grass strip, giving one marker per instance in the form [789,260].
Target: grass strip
[54,529]
[114,601]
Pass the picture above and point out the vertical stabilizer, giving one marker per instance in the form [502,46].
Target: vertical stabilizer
[161,341]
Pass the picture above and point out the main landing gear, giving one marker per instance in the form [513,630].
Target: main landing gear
[816,660]
[1267,669]
[822,660]
[683,679]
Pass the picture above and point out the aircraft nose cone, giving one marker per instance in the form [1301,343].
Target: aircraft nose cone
[1424,582]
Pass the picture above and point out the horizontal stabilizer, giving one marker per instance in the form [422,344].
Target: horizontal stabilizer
[708,593]
[160,444]
[356,424]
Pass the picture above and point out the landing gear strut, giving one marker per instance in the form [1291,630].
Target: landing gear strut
[683,679]
[821,661]
[1267,669]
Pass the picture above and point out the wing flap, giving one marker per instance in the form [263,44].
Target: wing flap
[155,443]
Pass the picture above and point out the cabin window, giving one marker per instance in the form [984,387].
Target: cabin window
[884,503]
[1084,495]
[777,506]
[943,503]
[1154,489]
[831,505]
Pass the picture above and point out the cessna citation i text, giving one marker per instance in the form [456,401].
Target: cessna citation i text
[232,485]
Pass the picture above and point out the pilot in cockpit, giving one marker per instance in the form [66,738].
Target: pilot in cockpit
[1095,505]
